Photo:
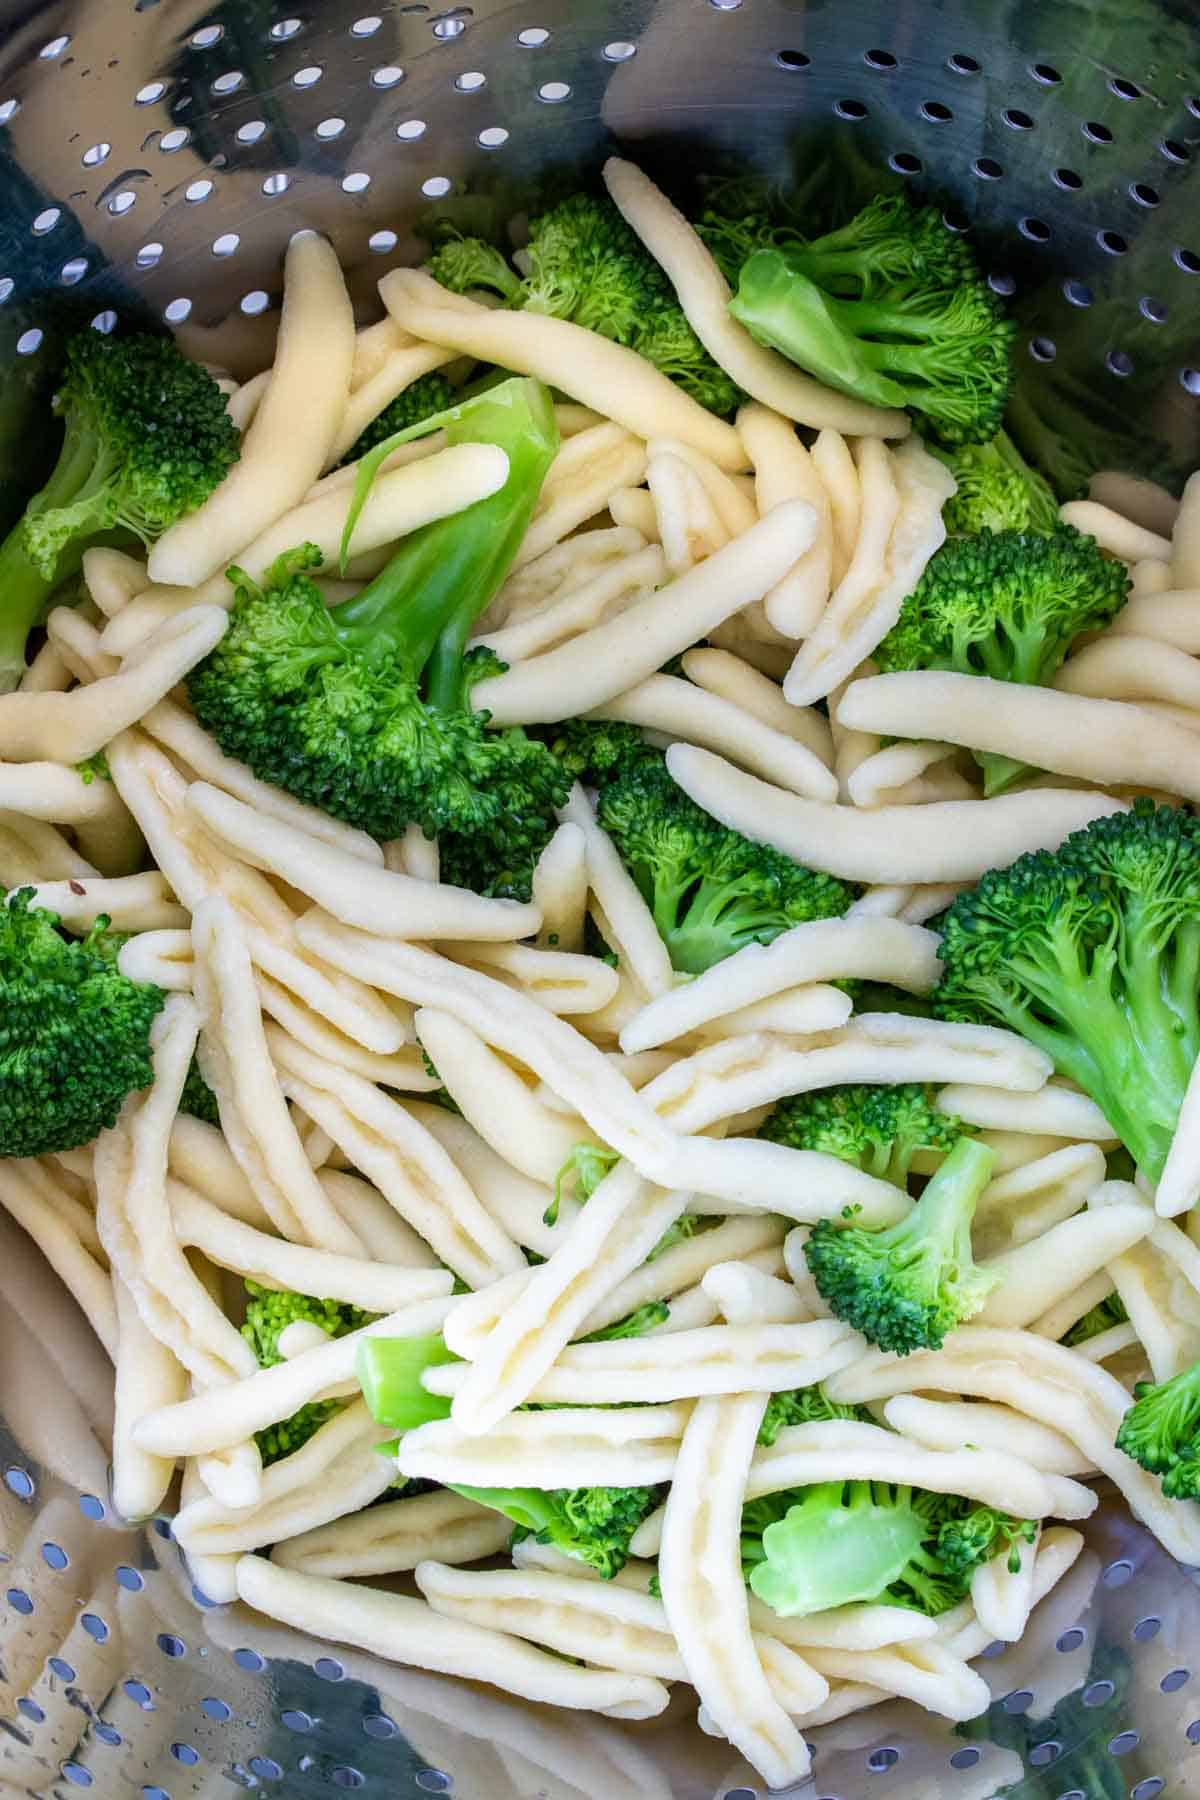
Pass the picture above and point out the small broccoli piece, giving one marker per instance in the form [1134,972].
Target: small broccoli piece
[687,1225]
[634,1324]
[198,1098]
[978,1535]
[75,1038]
[906,1286]
[1161,1431]
[267,1314]
[146,438]
[595,750]
[803,1406]
[587,265]
[594,1525]
[428,395]
[1092,953]
[840,1542]
[878,1129]
[711,891]
[580,1176]
[997,490]
[892,308]
[1101,1318]
[1007,604]
[93,768]
[365,710]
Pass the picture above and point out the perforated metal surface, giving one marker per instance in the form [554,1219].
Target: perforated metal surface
[157,156]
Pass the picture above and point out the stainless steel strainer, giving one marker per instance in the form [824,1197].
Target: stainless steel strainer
[157,155]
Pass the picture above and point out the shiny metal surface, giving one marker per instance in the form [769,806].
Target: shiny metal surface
[155,156]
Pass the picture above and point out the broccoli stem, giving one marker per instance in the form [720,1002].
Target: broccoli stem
[999,772]
[424,603]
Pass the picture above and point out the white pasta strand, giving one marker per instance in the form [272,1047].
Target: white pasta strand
[394,1537]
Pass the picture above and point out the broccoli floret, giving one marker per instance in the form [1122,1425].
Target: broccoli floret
[1007,604]
[711,891]
[595,750]
[1092,952]
[580,1176]
[978,1535]
[594,1525]
[198,1098]
[997,490]
[1161,1431]
[93,768]
[74,1036]
[146,438]
[365,710]
[906,1286]
[634,1324]
[587,265]
[1101,1318]
[803,1406]
[878,1129]
[428,395]
[893,309]
[267,1314]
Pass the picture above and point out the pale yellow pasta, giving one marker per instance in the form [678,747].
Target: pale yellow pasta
[784,470]
[560,888]
[1115,532]
[704,1592]
[384,1234]
[1179,1184]
[1145,502]
[630,922]
[1170,615]
[409,1631]
[1150,576]
[294,425]
[683,1266]
[131,902]
[1033,1276]
[689,527]
[949,1424]
[926,1673]
[78,643]
[955,840]
[221,1417]
[601,461]
[563,982]
[1106,741]
[747,1296]
[732,496]
[163,957]
[882,778]
[704,295]
[611,589]
[617,382]
[394,1537]
[112,578]
[404,1069]
[1017,1207]
[612,657]
[47,673]
[816,1007]
[1058,1552]
[376,391]
[733,679]
[540,583]
[634,508]
[44,850]
[1127,667]
[821,950]
[680,709]
[83,1273]
[834,463]
[1055,1111]
[1058,1320]
[574,1446]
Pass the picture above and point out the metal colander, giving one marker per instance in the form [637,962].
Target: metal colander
[156,156]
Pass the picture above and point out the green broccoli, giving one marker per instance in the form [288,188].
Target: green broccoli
[365,710]
[977,1536]
[804,1406]
[906,1286]
[1161,1431]
[997,490]
[198,1098]
[93,768]
[878,1129]
[587,265]
[267,1314]
[1092,953]
[146,438]
[1006,604]
[711,891]
[634,1324]
[595,750]
[389,1371]
[891,308]
[75,1036]
[1101,1318]
[427,395]
[594,1524]
[580,1176]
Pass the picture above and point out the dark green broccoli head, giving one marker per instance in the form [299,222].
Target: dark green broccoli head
[977,1536]
[198,1098]
[594,1525]
[711,891]
[428,395]
[804,1406]
[1092,953]
[1161,1431]
[908,1285]
[594,750]
[997,490]
[465,263]
[878,1129]
[1101,1318]
[74,1033]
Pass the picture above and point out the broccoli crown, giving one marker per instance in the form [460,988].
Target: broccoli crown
[428,395]
[594,1525]
[803,1406]
[198,1098]
[365,710]
[810,1548]
[1101,1318]
[587,265]
[891,308]
[906,1286]
[1007,604]
[997,490]
[1161,1431]
[74,1033]
[711,891]
[878,1129]
[594,750]
[148,436]
[634,1324]
[267,1314]
[1092,952]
